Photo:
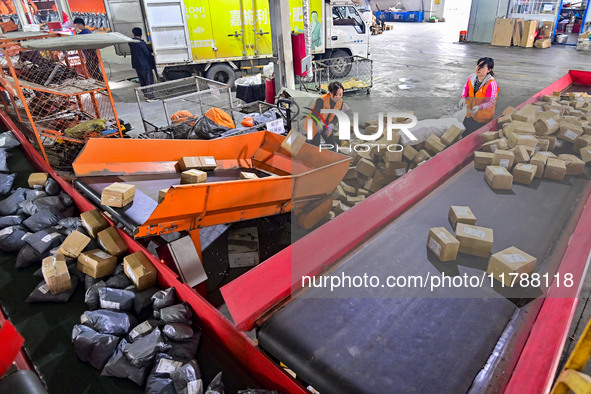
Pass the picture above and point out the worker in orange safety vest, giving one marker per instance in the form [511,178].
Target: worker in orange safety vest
[323,124]
[480,96]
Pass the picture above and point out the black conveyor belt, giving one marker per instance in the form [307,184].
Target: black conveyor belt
[387,344]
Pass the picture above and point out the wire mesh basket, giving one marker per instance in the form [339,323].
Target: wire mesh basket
[354,72]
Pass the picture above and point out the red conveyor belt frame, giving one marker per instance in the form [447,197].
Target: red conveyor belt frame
[211,321]
[274,279]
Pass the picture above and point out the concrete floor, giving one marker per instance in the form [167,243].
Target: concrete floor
[434,67]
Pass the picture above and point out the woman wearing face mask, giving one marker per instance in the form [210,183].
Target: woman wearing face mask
[332,100]
[480,96]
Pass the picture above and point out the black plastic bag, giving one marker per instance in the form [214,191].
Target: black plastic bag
[185,350]
[120,367]
[206,129]
[66,199]
[6,181]
[115,299]
[164,298]
[187,379]
[28,256]
[42,294]
[12,238]
[9,205]
[216,386]
[52,188]
[159,381]
[75,273]
[45,240]
[71,223]
[143,299]
[258,391]
[28,207]
[32,194]
[142,351]
[91,297]
[141,330]
[8,140]
[49,202]
[93,347]
[179,313]
[3,158]
[43,219]
[108,322]
[11,220]
[177,331]
[119,281]
[89,281]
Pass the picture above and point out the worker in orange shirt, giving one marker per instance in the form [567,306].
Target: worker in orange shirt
[480,96]
[325,123]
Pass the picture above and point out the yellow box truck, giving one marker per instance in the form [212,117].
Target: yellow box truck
[220,38]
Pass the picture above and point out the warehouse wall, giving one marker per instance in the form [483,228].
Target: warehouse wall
[482,18]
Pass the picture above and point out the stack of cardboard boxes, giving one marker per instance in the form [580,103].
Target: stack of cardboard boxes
[477,241]
[96,263]
[523,148]
[385,162]
[518,32]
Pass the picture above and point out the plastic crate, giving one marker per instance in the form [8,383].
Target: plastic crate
[414,16]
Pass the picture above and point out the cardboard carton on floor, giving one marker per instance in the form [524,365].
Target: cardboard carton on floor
[193,176]
[118,195]
[110,240]
[586,154]
[521,154]
[395,156]
[96,263]
[434,145]
[37,179]
[56,274]
[460,214]
[74,244]
[451,135]
[93,222]
[443,244]
[492,146]
[524,173]
[293,142]
[569,132]
[546,29]
[555,169]
[475,240]
[510,261]
[503,32]
[243,247]
[539,161]
[543,43]
[574,165]
[483,159]
[529,34]
[503,158]
[140,270]
[517,32]
[498,178]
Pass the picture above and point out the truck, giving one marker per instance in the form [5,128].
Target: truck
[220,39]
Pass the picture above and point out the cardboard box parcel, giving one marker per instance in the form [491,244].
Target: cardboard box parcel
[510,261]
[475,240]
[118,195]
[96,263]
[37,179]
[74,244]
[140,270]
[443,244]
[498,178]
[56,274]
[460,214]
[293,142]
[93,222]
[110,240]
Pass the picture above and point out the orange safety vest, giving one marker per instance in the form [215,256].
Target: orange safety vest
[328,118]
[484,115]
